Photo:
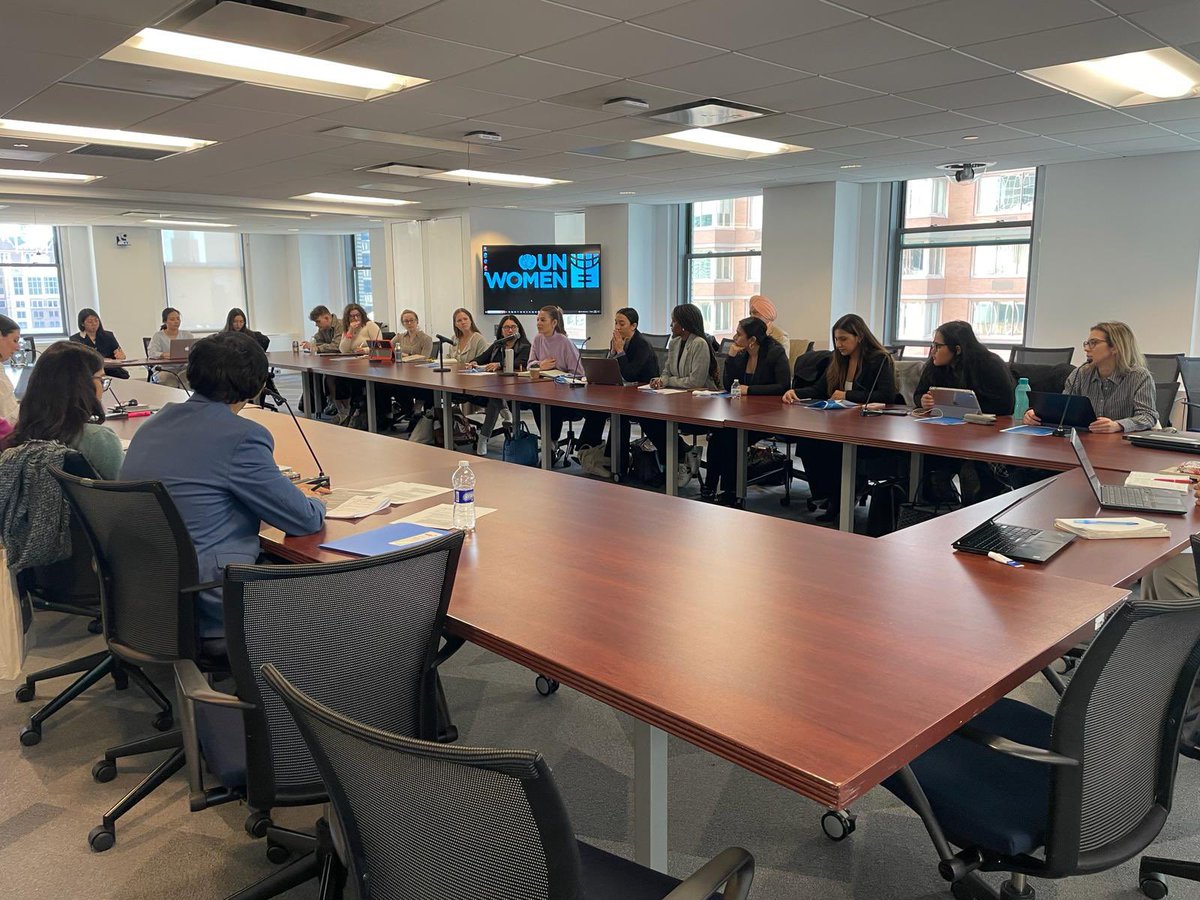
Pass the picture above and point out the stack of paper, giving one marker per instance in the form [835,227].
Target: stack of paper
[357,507]
[1113,527]
[646,387]
[413,357]
[1179,483]
[1190,468]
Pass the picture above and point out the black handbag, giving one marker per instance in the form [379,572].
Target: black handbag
[643,462]
[520,446]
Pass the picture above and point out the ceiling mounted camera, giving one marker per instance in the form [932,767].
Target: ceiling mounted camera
[964,172]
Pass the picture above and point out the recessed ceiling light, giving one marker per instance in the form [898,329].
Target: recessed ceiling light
[851,166]
[500,178]
[627,193]
[31,175]
[970,137]
[706,113]
[20,146]
[1129,79]
[293,229]
[720,143]
[257,65]
[78,134]
[350,198]
[186,222]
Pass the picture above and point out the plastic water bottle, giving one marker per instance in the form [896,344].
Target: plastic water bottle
[1021,400]
[463,483]
[20,359]
[735,389]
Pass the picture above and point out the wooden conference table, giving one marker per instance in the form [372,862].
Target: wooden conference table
[819,659]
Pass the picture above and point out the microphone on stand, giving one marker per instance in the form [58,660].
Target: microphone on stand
[442,341]
[322,480]
[862,410]
[1060,430]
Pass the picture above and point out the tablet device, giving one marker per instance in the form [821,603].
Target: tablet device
[1066,410]
[954,403]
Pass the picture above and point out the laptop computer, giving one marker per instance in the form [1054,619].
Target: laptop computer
[954,403]
[1120,496]
[1062,410]
[1163,440]
[602,371]
[1014,541]
[380,351]
[180,348]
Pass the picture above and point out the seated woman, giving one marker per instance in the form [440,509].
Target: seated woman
[348,394]
[860,371]
[638,364]
[10,342]
[761,367]
[193,447]
[160,348]
[92,334]
[412,340]
[691,366]
[552,349]
[236,321]
[1115,379]
[510,335]
[468,342]
[958,360]
[409,342]
[62,398]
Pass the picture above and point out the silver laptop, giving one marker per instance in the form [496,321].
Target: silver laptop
[1120,496]
[954,403]
[180,348]
[602,371]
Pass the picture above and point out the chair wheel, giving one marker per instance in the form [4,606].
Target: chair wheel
[545,686]
[105,770]
[25,693]
[257,824]
[95,626]
[277,853]
[101,838]
[163,721]
[837,824]
[31,736]
[1153,886]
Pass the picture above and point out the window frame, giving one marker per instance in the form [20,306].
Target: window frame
[689,255]
[60,275]
[354,268]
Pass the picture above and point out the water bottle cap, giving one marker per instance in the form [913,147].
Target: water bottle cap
[1022,381]
[463,462]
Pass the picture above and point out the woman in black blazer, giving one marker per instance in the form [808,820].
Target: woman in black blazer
[638,364]
[92,334]
[760,367]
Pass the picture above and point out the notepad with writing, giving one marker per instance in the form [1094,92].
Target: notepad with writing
[377,541]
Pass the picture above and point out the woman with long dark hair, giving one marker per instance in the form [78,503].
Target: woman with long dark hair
[160,348]
[237,321]
[349,396]
[92,334]
[10,343]
[468,342]
[61,401]
[510,335]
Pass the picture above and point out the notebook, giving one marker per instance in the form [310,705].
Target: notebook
[389,538]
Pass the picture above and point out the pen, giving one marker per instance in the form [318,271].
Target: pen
[1105,522]
[1004,560]
[1175,480]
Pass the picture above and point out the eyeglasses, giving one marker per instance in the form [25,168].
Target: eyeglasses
[508,326]
[105,381]
[937,345]
[1092,342]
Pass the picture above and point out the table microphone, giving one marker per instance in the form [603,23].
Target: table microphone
[1060,430]
[862,410]
[442,341]
[322,480]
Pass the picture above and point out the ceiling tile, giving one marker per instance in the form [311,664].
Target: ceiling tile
[880,7]
[453,102]
[31,29]
[838,137]
[1185,126]
[723,75]
[145,80]
[141,13]
[413,54]
[991,149]
[931,123]
[515,26]
[1104,37]
[548,116]
[862,43]
[1001,89]
[628,129]
[94,107]
[457,131]
[212,122]
[369,10]
[1101,118]
[885,148]
[1164,144]
[959,22]
[621,9]
[25,74]
[775,127]
[807,93]
[1035,108]
[1098,136]
[594,98]
[1177,23]
[874,109]
[1168,111]
[293,103]
[528,78]
[916,72]
[734,26]
[626,51]
[985,134]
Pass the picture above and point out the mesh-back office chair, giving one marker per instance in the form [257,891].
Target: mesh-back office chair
[1189,372]
[1046,356]
[657,341]
[148,585]
[593,354]
[1089,786]
[427,820]
[1164,366]
[1164,401]
[362,635]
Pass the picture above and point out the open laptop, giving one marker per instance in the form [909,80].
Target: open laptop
[602,371]
[1014,541]
[180,348]
[954,403]
[1062,410]
[1120,496]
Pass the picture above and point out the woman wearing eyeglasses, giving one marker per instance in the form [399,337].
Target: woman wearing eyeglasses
[64,395]
[1115,379]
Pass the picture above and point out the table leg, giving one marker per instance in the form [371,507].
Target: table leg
[307,392]
[547,439]
[915,462]
[447,421]
[849,467]
[742,437]
[617,457]
[672,455]
[372,414]
[649,795]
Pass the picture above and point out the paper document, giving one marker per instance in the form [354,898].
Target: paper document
[475,372]
[546,373]
[440,516]
[334,499]
[406,491]
[1036,430]
[413,357]
[943,420]
[1108,527]
[710,393]
[1179,483]
[358,507]
[650,390]
[125,444]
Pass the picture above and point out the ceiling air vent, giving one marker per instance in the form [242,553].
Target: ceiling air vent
[122,152]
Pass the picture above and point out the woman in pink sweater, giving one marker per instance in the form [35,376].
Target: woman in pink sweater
[552,349]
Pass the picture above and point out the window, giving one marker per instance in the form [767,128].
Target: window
[724,259]
[30,279]
[360,271]
[204,277]
[961,251]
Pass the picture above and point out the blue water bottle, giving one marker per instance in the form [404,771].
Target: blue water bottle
[1021,400]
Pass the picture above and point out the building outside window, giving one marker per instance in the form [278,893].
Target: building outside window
[360,271]
[723,260]
[962,252]
[31,279]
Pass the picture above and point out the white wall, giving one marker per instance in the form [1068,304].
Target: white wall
[1119,239]
[130,283]
[640,264]
[499,226]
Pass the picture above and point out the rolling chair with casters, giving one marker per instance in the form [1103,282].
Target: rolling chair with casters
[363,636]
[420,819]
[1042,356]
[1080,791]
[149,580]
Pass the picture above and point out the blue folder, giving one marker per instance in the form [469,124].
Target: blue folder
[388,539]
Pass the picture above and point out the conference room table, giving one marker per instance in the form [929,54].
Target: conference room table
[821,660]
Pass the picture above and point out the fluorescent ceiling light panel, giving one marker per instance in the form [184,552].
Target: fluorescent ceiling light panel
[60,177]
[498,178]
[1130,79]
[720,143]
[78,134]
[350,198]
[184,222]
[257,65]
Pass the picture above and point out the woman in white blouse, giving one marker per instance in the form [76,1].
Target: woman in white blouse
[10,342]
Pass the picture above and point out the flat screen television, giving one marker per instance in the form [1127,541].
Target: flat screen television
[523,278]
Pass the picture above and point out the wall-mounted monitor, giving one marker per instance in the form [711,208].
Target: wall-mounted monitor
[524,278]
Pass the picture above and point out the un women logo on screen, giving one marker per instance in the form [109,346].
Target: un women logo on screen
[584,270]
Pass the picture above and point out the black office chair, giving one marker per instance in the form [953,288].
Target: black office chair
[657,341]
[726,346]
[1049,378]
[660,353]
[363,636]
[1045,356]
[593,354]
[1164,401]
[1083,790]
[1189,372]
[146,355]
[148,585]
[1164,366]
[425,820]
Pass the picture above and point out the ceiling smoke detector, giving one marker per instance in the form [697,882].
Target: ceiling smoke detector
[964,172]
